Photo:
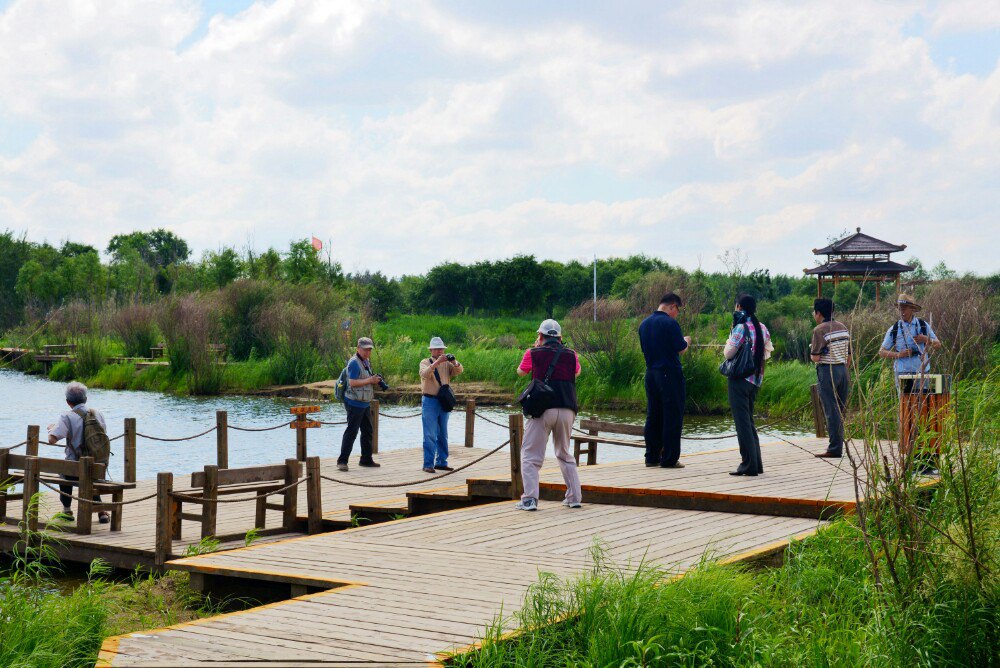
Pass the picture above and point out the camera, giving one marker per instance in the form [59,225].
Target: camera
[382,385]
[450,357]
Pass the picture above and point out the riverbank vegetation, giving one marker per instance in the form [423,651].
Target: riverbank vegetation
[278,318]
[911,579]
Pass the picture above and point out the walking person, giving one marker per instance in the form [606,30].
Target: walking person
[70,426]
[831,351]
[436,372]
[662,343]
[557,421]
[743,391]
[358,396]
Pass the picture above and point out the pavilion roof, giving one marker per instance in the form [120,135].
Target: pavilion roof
[859,244]
[859,268]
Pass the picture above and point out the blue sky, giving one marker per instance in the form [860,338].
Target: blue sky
[411,133]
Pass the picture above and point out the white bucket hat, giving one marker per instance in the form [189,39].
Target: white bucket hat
[437,343]
[550,328]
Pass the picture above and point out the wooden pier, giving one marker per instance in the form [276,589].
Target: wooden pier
[414,590]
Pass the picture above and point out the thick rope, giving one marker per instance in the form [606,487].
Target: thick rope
[16,445]
[175,440]
[112,440]
[322,422]
[499,424]
[417,482]
[103,503]
[203,500]
[277,426]
[401,417]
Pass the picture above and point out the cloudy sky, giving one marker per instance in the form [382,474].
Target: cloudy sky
[413,132]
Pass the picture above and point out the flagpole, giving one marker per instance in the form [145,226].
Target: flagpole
[595,287]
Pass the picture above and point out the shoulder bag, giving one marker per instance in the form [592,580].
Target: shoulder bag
[741,365]
[445,396]
[539,396]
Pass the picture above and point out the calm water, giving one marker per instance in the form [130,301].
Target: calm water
[34,400]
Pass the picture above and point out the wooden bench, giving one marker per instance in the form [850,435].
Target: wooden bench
[157,351]
[31,471]
[593,437]
[212,483]
[52,348]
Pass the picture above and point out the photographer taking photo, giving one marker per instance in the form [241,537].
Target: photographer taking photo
[357,400]
[436,373]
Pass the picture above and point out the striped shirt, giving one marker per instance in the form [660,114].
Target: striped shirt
[832,342]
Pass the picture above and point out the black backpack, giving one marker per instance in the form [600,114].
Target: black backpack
[539,396]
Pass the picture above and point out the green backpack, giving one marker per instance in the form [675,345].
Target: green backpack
[340,387]
[95,441]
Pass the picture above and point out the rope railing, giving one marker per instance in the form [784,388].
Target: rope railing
[16,445]
[121,435]
[103,503]
[190,498]
[401,417]
[421,481]
[271,428]
[176,440]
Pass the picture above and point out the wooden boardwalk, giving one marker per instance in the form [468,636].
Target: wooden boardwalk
[794,482]
[411,589]
[135,543]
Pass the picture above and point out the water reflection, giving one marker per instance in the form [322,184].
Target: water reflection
[35,400]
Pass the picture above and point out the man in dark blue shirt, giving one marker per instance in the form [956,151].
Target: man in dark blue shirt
[662,343]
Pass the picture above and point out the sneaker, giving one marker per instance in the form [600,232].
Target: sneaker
[104,518]
[342,467]
[444,467]
[572,504]
[369,465]
[526,504]
[651,464]
[428,469]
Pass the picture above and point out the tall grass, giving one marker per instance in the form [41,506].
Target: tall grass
[91,355]
[134,324]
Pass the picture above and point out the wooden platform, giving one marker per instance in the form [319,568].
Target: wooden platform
[411,589]
[134,544]
[794,483]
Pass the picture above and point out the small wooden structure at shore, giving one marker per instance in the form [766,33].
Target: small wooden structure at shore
[860,258]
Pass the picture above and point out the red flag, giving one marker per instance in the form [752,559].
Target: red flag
[317,244]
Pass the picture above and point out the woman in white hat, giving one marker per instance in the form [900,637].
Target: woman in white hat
[436,372]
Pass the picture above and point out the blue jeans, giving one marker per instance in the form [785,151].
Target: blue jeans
[435,433]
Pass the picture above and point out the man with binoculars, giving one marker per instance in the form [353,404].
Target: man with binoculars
[357,400]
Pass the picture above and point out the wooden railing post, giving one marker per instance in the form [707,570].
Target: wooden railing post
[314,495]
[129,449]
[301,445]
[291,504]
[470,422]
[210,509]
[516,430]
[31,448]
[222,439]
[4,469]
[85,491]
[29,510]
[374,412]
[164,519]
[819,418]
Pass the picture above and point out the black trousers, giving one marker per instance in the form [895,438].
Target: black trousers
[833,392]
[665,396]
[742,397]
[66,490]
[357,419]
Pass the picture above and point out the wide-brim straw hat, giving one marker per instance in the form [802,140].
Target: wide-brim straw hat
[907,300]
[437,344]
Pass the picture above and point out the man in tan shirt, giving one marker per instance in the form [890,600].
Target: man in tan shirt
[436,371]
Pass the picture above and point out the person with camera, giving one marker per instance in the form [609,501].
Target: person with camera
[830,350]
[557,366]
[909,341]
[438,400]
[357,400]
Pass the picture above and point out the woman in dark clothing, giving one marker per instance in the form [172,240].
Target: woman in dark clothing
[743,391]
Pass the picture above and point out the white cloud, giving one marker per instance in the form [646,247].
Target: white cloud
[412,132]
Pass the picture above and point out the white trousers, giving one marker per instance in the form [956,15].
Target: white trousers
[559,423]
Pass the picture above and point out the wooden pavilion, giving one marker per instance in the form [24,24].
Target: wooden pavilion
[860,258]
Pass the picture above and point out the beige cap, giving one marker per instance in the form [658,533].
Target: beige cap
[365,342]
[907,300]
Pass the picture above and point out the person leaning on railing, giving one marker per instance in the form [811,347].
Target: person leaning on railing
[557,421]
[436,371]
[830,349]
[70,427]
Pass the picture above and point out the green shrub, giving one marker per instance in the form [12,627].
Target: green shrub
[114,377]
[135,326]
[91,355]
[62,372]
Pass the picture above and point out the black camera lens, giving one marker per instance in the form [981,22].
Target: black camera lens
[450,357]
[382,385]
